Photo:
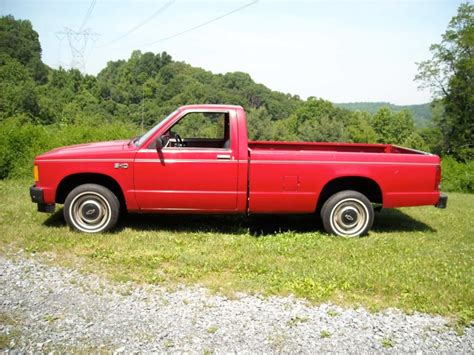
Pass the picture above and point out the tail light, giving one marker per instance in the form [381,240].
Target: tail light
[437,185]
[36,173]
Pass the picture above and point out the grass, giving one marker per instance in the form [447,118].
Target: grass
[418,259]
[294,321]
[50,318]
[324,334]
[387,343]
[8,339]
[213,329]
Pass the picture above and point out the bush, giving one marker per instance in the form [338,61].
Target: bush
[21,141]
[457,176]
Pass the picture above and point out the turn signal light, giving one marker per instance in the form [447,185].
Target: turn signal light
[36,173]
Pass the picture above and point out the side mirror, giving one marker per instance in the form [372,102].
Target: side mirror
[159,143]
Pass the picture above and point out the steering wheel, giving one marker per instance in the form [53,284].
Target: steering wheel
[178,140]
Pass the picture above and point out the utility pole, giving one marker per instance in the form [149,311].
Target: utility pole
[77,41]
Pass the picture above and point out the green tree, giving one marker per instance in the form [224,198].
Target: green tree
[393,128]
[359,128]
[415,141]
[19,41]
[432,134]
[318,120]
[260,125]
[449,74]
[17,90]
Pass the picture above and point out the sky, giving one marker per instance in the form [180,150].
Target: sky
[342,51]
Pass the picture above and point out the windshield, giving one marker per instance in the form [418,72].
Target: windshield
[152,131]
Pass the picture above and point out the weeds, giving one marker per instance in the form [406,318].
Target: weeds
[324,334]
[294,321]
[387,343]
[213,329]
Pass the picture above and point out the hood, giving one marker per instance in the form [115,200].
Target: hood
[85,150]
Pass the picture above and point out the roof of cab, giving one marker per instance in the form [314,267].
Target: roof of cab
[210,106]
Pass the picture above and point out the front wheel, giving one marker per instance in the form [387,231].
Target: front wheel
[91,208]
[347,214]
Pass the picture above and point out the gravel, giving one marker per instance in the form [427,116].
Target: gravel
[44,308]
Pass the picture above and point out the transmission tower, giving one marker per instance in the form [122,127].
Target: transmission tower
[78,41]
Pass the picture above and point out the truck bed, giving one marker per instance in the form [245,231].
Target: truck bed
[285,176]
[333,147]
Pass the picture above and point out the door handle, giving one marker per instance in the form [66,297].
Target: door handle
[223,156]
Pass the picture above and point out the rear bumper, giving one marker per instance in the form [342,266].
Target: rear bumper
[443,201]
[36,194]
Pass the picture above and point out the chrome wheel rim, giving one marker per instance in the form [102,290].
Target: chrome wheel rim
[349,217]
[90,212]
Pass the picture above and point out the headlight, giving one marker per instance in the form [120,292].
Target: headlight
[36,173]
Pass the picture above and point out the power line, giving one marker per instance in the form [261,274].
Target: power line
[156,13]
[201,25]
[88,14]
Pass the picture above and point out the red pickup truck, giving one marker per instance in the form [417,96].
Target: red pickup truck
[199,160]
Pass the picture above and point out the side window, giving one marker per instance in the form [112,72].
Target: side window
[200,130]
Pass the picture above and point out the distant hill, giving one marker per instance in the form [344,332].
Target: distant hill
[421,113]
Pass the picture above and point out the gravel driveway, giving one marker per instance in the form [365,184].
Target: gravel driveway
[45,308]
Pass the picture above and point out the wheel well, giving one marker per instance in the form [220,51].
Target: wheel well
[365,186]
[72,181]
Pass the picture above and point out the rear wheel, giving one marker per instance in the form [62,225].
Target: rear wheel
[91,208]
[347,214]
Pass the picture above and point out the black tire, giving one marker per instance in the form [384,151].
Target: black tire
[91,208]
[347,214]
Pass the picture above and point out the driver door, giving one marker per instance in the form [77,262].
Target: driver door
[195,171]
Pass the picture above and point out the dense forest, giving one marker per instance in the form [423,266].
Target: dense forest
[421,112]
[42,107]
